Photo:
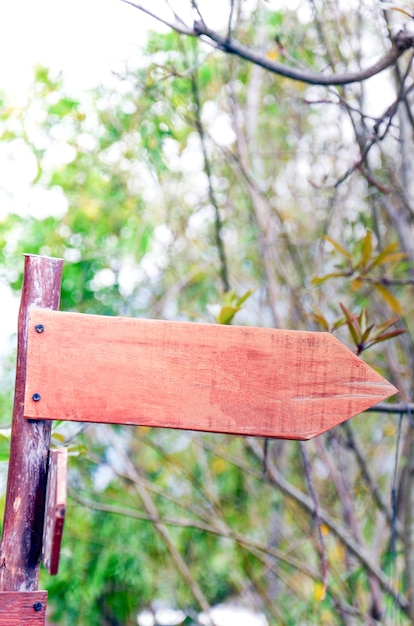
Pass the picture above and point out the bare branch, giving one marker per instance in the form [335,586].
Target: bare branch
[402,42]
[397,407]
[161,529]
[304,501]
[180,28]
[312,492]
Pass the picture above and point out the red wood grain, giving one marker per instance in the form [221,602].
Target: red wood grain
[21,543]
[55,509]
[23,608]
[239,380]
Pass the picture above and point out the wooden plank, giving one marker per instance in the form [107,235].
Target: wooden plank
[23,608]
[247,381]
[21,543]
[55,509]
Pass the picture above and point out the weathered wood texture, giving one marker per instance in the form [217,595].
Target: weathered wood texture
[248,381]
[55,509]
[21,543]
[23,608]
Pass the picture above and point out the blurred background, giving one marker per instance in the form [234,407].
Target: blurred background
[181,182]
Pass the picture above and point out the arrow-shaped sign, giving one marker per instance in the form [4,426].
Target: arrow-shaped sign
[239,380]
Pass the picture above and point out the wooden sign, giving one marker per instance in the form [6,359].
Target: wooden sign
[19,608]
[239,380]
[55,509]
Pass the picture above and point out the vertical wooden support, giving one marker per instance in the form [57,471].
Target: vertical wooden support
[21,543]
[55,509]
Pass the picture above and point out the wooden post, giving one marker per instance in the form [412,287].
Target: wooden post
[21,543]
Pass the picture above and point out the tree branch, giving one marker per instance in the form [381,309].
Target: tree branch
[396,407]
[402,42]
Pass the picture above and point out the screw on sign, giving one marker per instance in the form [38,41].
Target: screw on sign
[19,608]
[236,380]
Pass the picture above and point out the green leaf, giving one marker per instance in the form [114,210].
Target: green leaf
[363,318]
[226,314]
[78,450]
[231,304]
[339,322]
[367,333]
[244,297]
[4,447]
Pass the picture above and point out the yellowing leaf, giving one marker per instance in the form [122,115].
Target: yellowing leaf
[336,553]
[318,280]
[338,247]
[391,300]
[366,249]
[395,257]
[389,430]
[219,466]
[272,54]
[356,284]
[319,318]
[58,437]
[318,591]
[352,324]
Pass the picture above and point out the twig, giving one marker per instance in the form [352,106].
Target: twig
[158,525]
[354,445]
[207,167]
[181,29]
[305,502]
[312,492]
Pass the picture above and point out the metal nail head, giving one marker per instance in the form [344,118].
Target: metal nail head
[36,397]
[38,606]
[39,328]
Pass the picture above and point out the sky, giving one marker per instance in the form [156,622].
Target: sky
[83,38]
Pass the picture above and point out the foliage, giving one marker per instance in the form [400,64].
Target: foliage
[192,168]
